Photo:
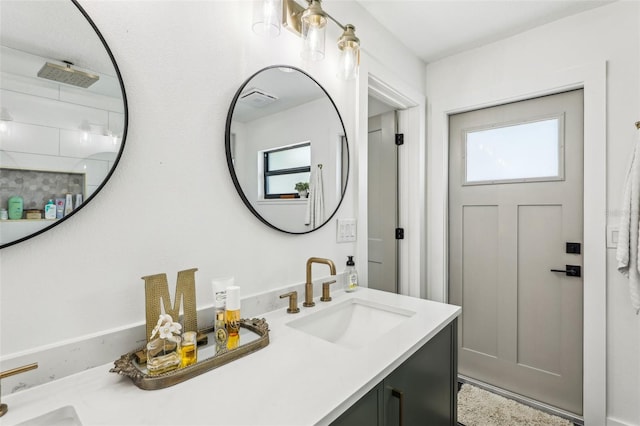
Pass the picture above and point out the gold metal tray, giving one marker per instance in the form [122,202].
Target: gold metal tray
[254,335]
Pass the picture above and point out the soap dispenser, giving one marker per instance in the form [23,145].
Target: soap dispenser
[351,275]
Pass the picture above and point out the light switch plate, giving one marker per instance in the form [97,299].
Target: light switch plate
[346,230]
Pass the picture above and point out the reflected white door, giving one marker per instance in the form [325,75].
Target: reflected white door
[515,200]
[382,204]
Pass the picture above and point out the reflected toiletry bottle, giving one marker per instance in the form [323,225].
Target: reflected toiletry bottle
[59,208]
[219,302]
[232,316]
[50,210]
[78,201]
[188,349]
[220,332]
[16,207]
[68,204]
[351,275]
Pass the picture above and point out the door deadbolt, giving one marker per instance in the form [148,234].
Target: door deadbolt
[570,270]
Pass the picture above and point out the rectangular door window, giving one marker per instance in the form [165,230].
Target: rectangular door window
[531,151]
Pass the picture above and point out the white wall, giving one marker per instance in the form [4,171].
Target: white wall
[612,34]
[171,204]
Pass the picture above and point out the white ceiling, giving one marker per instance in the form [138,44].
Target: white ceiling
[55,30]
[35,32]
[434,29]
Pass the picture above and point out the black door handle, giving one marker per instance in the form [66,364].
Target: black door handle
[571,270]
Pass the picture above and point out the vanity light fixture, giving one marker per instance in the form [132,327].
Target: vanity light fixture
[5,122]
[349,46]
[313,31]
[310,23]
[267,17]
[115,138]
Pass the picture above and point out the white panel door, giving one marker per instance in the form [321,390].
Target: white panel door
[515,201]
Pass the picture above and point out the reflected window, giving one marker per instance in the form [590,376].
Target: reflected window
[531,151]
[284,167]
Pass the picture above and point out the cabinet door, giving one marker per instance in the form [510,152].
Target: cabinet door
[367,411]
[422,391]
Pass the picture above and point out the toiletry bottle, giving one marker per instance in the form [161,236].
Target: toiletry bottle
[59,208]
[219,301]
[78,201]
[50,210]
[351,275]
[188,349]
[220,331]
[68,204]
[232,316]
[16,207]
[4,214]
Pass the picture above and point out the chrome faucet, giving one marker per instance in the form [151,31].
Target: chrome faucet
[8,373]
[308,287]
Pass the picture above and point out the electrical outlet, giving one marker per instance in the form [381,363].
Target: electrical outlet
[346,230]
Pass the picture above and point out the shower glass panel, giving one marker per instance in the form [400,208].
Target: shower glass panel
[530,151]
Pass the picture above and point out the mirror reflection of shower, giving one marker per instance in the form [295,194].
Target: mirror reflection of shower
[62,110]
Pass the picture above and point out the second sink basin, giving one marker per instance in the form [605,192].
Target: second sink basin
[352,323]
[63,416]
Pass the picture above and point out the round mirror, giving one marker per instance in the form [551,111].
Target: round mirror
[63,116]
[287,150]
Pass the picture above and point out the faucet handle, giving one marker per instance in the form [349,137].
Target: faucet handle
[326,297]
[293,302]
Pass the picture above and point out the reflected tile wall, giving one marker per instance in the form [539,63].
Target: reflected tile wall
[38,187]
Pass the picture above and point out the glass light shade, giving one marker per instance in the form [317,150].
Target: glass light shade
[349,63]
[314,25]
[84,131]
[5,122]
[349,46]
[312,42]
[267,16]
[5,127]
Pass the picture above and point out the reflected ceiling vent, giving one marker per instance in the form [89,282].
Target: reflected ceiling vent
[257,98]
[67,75]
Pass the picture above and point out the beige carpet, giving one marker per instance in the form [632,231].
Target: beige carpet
[477,407]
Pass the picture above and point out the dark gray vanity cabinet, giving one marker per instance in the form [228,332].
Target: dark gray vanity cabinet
[367,411]
[421,391]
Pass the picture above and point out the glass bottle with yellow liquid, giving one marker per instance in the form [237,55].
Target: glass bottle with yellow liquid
[232,317]
[188,349]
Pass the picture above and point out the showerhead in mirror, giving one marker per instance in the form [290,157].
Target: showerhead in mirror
[67,75]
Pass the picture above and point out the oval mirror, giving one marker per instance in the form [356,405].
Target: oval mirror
[287,150]
[63,116]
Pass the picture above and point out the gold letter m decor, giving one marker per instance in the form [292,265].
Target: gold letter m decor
[156,290]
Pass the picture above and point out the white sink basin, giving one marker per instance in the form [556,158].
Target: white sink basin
[63,416]
[352,323]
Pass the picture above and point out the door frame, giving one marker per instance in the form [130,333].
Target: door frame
[386,85]
[592,78]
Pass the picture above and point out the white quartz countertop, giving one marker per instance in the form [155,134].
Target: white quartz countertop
[298,379]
